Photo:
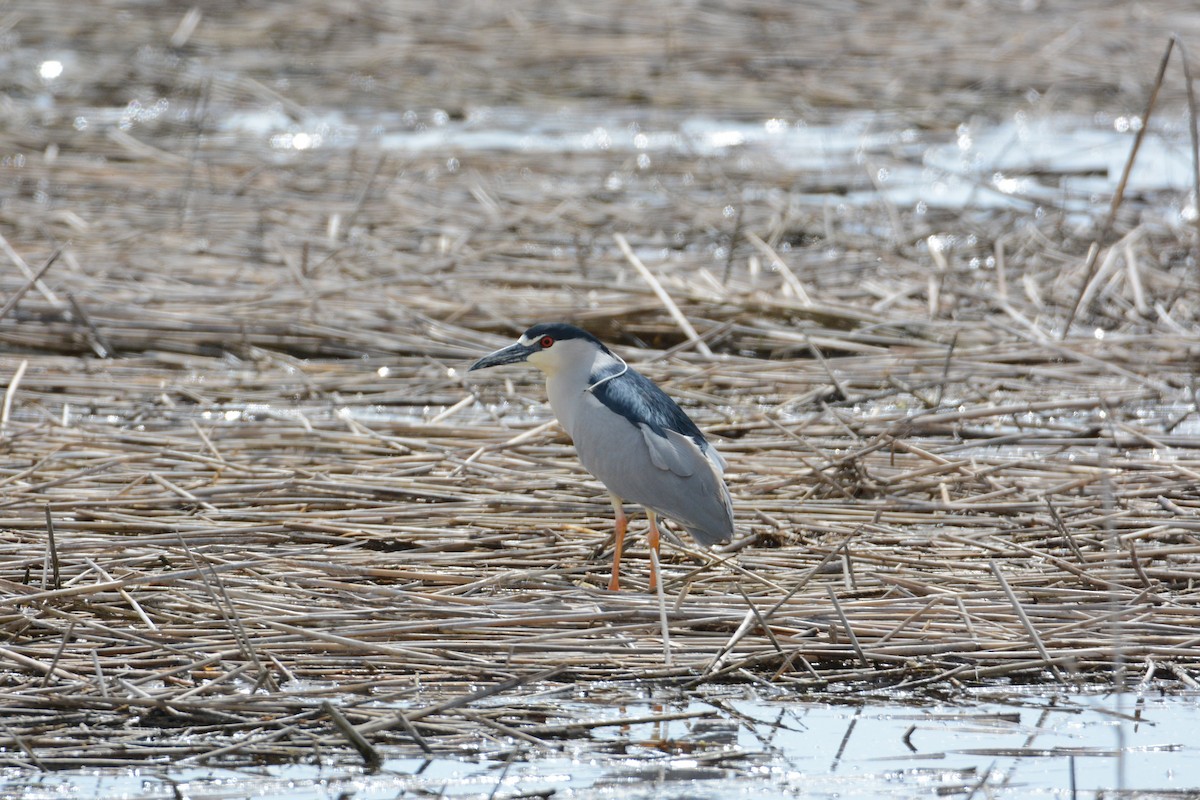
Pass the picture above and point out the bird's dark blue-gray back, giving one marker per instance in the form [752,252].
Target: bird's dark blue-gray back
[624,390]
[639,400]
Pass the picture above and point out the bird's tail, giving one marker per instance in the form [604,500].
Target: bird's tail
[708,536]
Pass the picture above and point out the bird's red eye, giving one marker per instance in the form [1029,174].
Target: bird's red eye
[546,342]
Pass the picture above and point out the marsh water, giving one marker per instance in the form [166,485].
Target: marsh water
[1068,163]
[1020,742]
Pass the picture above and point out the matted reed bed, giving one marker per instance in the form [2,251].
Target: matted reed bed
[233,543]
[252,508]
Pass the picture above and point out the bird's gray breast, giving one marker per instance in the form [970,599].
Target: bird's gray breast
[610,446]
[634,462]
[659,467]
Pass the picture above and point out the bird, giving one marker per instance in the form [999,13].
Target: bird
[629,434]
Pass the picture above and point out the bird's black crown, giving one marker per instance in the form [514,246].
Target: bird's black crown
[560,332]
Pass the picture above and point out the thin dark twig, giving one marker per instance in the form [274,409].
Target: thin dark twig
[941,387]
[57,575]
[99,344]
[733,240]
[29,284]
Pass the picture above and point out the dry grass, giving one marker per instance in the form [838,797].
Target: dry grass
[242,472]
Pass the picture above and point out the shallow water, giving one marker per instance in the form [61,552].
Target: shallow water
[1027,743]
[1064,161]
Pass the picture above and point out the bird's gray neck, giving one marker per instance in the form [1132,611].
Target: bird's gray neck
[573,379]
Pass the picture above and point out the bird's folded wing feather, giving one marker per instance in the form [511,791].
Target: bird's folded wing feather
[674,451]
[672,439]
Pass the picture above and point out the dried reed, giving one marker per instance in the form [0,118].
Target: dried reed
[250,506]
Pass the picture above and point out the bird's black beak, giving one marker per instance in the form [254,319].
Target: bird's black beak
[513,354]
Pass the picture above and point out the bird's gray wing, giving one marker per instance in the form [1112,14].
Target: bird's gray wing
[672,439]
[672,451]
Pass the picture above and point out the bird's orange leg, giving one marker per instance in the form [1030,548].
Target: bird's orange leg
[652,538]
[614,583]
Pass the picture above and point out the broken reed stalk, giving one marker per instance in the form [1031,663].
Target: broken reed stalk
[370,756]
[1119,193]
[848,628]
[1194,137]
[56,577]
[10,393]
[1025,622]
[34,280]
[662,607]
[664,296]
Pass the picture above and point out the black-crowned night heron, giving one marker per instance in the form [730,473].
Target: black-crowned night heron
[629,434]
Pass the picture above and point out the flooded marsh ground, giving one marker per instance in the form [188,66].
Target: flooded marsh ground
[261,535]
